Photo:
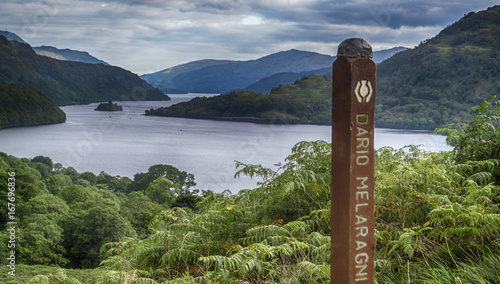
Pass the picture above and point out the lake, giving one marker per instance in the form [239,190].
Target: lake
[127,142]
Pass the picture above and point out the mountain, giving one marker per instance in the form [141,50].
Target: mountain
[163,79]
[436,83]
[265,85]
[260,75]
[69,82]
[219,76]
[24,105]
[67,54]
[12,36]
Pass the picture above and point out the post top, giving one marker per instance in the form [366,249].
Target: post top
[355,47]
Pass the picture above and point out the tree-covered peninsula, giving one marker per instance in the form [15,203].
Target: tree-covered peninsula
[24,105]
[308,100]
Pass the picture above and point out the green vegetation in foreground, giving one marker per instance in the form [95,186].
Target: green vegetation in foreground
[64,217]
[24,273]
[109,106]
[23,105]
[308,100]
[437,217]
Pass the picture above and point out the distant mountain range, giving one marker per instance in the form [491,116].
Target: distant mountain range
[67,54]
[261,75]
[53,52]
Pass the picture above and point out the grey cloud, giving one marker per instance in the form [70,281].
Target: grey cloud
[126,32]
[395,14]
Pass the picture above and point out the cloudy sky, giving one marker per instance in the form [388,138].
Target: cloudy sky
[145,36]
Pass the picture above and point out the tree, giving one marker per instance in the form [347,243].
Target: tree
[85,231]
[44,160]
[162,191]
[142,180]
[76,193]
[139,211]
[41,241]
[56,182]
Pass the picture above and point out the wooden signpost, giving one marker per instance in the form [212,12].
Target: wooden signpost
[352,188]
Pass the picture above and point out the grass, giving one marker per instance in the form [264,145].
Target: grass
[24,273]
[437,271]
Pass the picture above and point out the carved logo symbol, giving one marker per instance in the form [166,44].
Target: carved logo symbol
[363,91]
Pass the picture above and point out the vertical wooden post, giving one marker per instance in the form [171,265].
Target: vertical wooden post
[352,189]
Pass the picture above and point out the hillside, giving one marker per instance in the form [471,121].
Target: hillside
[67,54]
[68,82]
[23,105]
[436,83]
[260,75]
[306,101]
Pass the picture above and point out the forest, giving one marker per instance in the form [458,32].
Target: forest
[24,105]
[437,218]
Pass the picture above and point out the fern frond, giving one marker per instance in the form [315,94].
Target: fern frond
[179,254]
[223,262]
[260,233]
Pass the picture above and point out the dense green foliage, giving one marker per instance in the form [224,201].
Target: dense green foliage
[477,143]
[435,83]
[308,100]
[23,105]
[434,224]
[69,82]
[64,217]
[109,106]
[437,221]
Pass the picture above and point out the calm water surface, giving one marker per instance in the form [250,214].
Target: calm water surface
[127,142]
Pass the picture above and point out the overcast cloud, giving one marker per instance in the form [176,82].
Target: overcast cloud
[145,36]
